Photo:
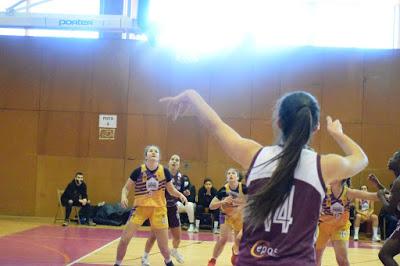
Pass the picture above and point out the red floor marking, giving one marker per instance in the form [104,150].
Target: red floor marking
[55,245]
[52,245]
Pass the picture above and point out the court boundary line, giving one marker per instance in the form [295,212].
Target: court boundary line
[90,253]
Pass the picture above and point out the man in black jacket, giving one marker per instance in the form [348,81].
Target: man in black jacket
[76,195]
[206,193]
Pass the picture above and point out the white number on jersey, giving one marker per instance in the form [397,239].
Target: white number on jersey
[283,215]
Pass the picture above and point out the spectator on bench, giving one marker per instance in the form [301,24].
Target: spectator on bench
[204,197]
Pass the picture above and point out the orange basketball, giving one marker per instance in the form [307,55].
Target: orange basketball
[229,209]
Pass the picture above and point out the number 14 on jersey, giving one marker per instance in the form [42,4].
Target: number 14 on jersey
[283,215]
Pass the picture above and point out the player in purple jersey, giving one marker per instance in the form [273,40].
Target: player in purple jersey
[285,182]
[391,204]
[334,224]
[229,199]
[149,182]
[173,215]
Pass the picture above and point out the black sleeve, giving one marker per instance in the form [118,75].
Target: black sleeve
[167,174]
[84,191]
[135,174]
[244,189]
[213,192]
[221,194]
[201,197]
[192,196]
[67,192]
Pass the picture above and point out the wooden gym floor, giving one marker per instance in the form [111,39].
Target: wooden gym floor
[37,241]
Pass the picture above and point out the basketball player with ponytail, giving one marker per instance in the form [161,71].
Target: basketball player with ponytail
[286,182]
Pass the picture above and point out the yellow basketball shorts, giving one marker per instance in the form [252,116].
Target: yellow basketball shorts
[157,216]
[331,231]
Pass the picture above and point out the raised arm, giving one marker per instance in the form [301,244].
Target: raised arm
[240,149]
[336,167]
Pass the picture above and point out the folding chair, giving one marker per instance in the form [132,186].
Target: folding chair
[61,209]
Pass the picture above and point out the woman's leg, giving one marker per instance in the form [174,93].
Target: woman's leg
[162,241]
[176,240]
[340,247]
[126,237]
[223,238]
[176,236]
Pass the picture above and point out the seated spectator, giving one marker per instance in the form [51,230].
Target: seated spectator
[76,195]
[365,212]
[189,191]
[204,197]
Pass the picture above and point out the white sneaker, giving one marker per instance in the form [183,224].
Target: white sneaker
[179,257]
[191,229]
[196,230]
[215,231]
[145,261]
[355,238]
[376,239]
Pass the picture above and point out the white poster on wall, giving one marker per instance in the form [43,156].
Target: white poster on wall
[107,121]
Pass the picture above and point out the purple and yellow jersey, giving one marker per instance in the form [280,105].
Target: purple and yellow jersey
[225,191]
[364,205]
[287,238]
[177,182]
[335,209]
[150,186]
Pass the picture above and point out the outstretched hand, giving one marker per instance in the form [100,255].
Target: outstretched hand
[334,127]
[375,181]
[177,105]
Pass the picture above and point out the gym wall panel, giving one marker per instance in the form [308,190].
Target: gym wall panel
[18,142]
[18,132]
[187,75]
[230,88]
[215,151]
[18,184]
[265,88]
[196,171]
[67,75]
[301,70]
[191,76]
[187,138]
[329,145]
[63,133]
[110,77]
[149,80]
[76,80]
[379,143]
[105,179]
[20,73]
[56,172]
[145,130]
[216,171]
[262,132]
[107,148]
[382,89]
[343,86]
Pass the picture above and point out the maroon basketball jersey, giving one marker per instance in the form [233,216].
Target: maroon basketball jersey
[287,238]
